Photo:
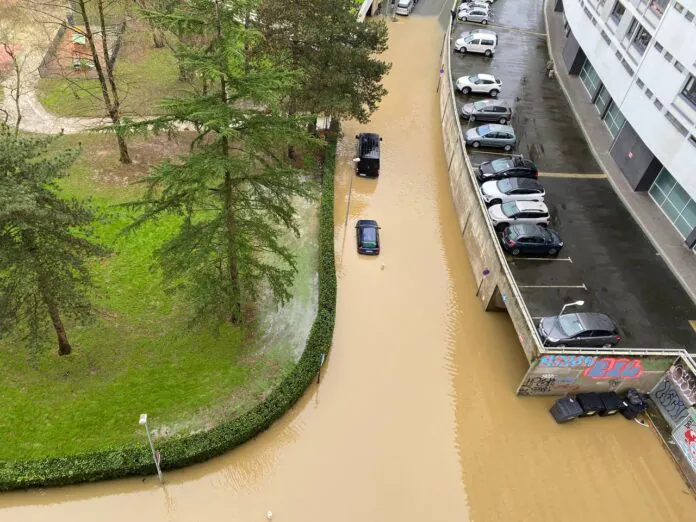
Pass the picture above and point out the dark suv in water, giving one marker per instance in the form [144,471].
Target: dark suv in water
[367,232]
[367,154]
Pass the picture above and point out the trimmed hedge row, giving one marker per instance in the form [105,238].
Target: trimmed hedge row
[179,452]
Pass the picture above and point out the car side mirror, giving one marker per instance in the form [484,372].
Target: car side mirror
[357,137]
[356,160]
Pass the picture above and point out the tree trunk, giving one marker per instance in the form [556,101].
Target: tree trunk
[64,347]
[232,265]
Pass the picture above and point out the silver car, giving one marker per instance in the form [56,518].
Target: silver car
[475,14]
[493,135]
[497,111]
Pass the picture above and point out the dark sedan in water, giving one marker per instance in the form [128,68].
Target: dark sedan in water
[513,167]
[579,330]
[367,232]
[531,239]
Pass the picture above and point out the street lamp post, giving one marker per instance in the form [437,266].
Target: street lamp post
[155,454]
[558,317]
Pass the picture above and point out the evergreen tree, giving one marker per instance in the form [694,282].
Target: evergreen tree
[44,243]
[236,188]
[337,55]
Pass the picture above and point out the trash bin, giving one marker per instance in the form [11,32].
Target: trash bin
[612,403]
[565,409]
[590,403]
[633,404]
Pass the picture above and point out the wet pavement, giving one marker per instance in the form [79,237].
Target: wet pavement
[607,260]
[416,416]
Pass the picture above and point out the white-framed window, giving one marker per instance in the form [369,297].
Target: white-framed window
[589,77]
[689,90]
[617,12]
[613,119]
[675,202]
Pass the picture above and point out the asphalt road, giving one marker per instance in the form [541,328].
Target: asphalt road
[607,261]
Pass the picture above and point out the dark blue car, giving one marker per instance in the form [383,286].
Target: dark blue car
[531,239]
[367,232]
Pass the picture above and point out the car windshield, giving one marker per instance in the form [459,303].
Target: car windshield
[474,78]
[369,236]
[484,129]
[505,186]
[500,164]
[510,209]
[404,3]
[570,324]
[480,105]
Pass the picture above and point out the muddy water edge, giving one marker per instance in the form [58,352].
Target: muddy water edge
[416,417]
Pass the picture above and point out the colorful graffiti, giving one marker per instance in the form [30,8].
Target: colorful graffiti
[685,381]
[612,368]
[685,437]
[567,361]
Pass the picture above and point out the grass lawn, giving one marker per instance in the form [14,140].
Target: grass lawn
[138,355]
[144,75]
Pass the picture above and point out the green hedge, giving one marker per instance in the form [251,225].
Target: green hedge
[179,452]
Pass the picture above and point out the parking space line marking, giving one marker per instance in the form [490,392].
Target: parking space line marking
[540,259]
[514,29]
[693,324]
[553,286]
[479,151]
[572,175]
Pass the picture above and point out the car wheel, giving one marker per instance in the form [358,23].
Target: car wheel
[472,118]
[466,90]
[463,50]
[553,252]
[476,144]
[488,53]
[496,202]
[494,93]
[515,252]
[484,22]
[507,148]
[502,121]
[502,226]
[543,224]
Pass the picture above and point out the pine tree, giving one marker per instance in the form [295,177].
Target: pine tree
[236,188]
[44,240]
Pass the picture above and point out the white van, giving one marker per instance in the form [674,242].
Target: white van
[404,7]
[477,42]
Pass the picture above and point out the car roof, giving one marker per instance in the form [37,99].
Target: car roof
[527,229]
[527,183]
[485,76]
[477,31]
[496,127]
[531,205]
[491,101]
[366,223]
[595,321]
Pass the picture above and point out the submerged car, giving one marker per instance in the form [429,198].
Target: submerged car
[531,239]
[506,168]
[529,212]
[581,330]
[367,151]
[493,135]
[367,232]
[512,189]
[494,111]
[479,84]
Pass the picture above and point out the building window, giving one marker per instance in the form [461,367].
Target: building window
[602,100]
[617,12]
[689,91]
[589,77]
[628,68]
[668,57]
[658,6]
[678,7]
[692,140]
[649,94]
[674,202]
[613,119]
[679,67]
[689,15]
[658,104]
[640,83]
[677,125]
[658,47]
[640,37]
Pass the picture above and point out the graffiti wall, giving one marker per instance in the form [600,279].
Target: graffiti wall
[675,394]
[685,437]
[569,373]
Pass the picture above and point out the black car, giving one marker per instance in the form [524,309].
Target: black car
[367,232]
[531,239]
[367,154]
[582,330]
[507,168]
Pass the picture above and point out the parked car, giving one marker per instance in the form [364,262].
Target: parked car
[495,111]
[501,168]
[491,135]
[581,329]
[480,83]
[367,232]
[512,189]
[475,4]
[531,239]
[367,154]
[529,212]
[477,43]
[475,14]
[404,7]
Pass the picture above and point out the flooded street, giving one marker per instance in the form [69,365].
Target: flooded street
[416,417]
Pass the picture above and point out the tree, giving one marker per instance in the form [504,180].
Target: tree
[236,189]
[44,240]
[337,55]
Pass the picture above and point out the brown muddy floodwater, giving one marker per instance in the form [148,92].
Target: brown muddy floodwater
[416,418]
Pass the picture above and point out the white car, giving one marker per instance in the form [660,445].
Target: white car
[477,43]
[512,189]
[531,212]
[466,6]
[480,83]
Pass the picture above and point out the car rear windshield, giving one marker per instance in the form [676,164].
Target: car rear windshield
[404,3]
[570,324]
[369,236]
[500,164]
[510,209]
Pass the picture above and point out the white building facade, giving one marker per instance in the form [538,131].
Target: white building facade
[637,61]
